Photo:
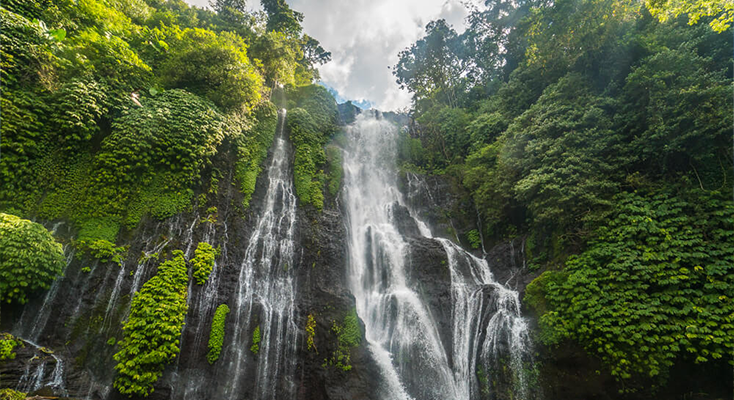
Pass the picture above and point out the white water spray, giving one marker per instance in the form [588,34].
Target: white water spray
[402,336]
[266,291]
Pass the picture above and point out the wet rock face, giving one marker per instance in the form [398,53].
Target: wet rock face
[428,272]
[326,297]
[402,219]
[84,317]
[348,112]
[441,203]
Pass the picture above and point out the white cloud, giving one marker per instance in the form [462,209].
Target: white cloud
[365,37]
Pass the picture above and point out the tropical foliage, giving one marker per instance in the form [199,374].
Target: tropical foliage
[216,336]
[153,329]
[311,123]
[603,135]
[203,262]
[114,110]
[7,343]
[30,258]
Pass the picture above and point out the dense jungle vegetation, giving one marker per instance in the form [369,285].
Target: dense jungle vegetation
[600,131]
[112,111]
[604,135]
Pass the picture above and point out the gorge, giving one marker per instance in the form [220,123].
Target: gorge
[186,212]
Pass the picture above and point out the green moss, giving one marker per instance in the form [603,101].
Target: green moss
[30,258]
[216,336]
[255,348]
[10,394]
[152,331]
[203,262]
[335,169]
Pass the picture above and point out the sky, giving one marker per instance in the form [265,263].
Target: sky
[365,37]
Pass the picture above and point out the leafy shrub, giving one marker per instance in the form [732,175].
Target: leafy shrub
[475,240]
[7,344]
[153,329]
[102,250]
[216,336]
[311,332]
[203,262]
[30,258]
[656,282]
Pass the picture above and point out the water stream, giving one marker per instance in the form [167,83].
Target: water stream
[39,377]
[266,291]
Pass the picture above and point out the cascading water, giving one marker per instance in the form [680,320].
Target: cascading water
[266,290]
[400,331]
[38,378]
[486,325]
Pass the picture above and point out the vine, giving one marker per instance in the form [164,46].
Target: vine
[203,262]
[656,281]
[153,329]
[216,336]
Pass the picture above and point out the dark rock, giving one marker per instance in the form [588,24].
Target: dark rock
[348,112]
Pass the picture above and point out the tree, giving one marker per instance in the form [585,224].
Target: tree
[562,154]
[722,11]
[431,68]
[279,57]
[281,18]
[232,11]
[213,65]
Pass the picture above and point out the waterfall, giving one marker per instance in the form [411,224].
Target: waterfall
[486,324]
[36,380]
[401,333]
[266,291]
[41,317]
[113,297]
